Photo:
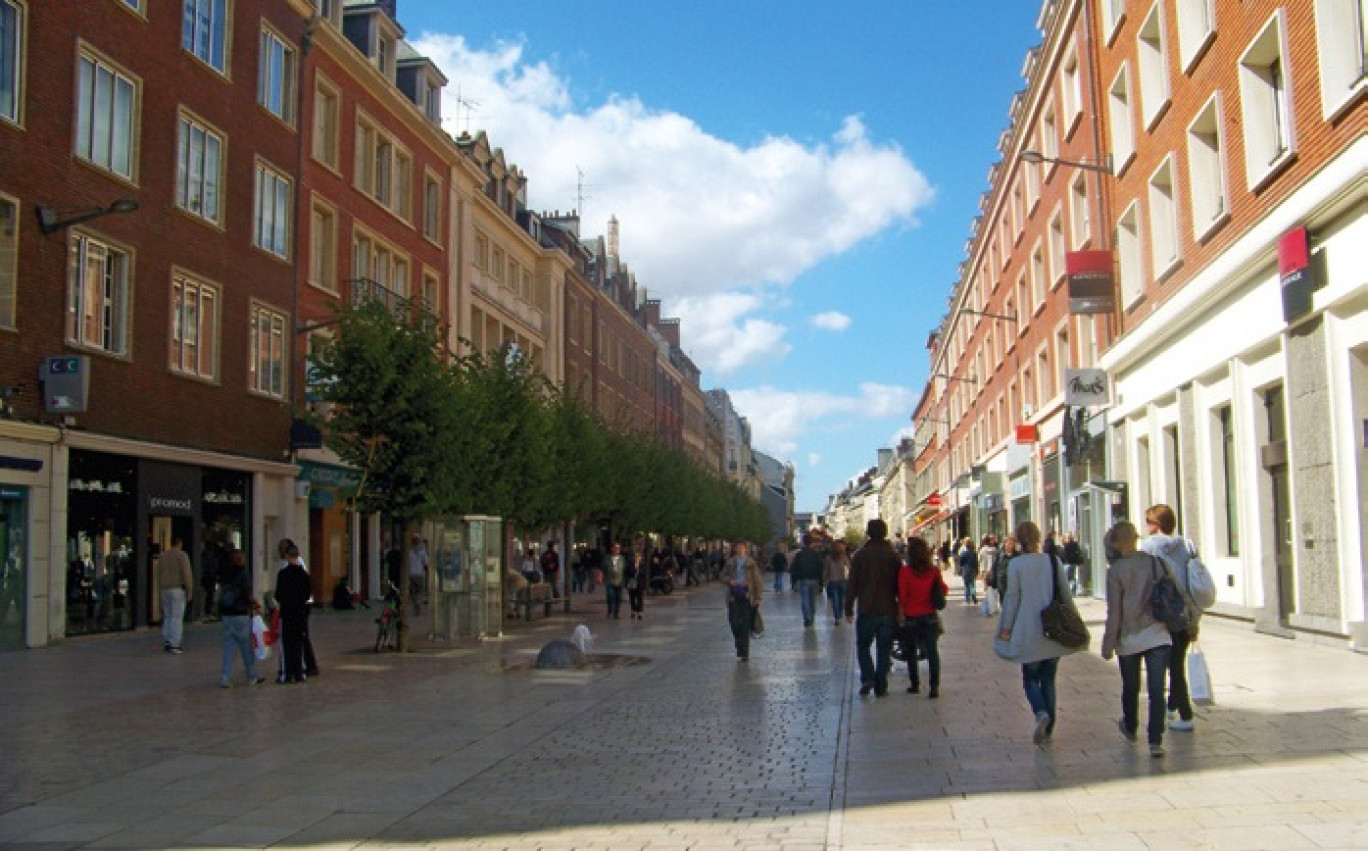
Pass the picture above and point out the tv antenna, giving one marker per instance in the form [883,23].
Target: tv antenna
[464,107]
[580,187]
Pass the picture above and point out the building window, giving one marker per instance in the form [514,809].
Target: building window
[271,231]
[205,31]
[1087,341]
[1019,208]
[1121,121]
[323,248]
[199,169]
[432,292]
[97,295]
[267,361]
[1113,13]
[1153,63]
[1071,92]
[496,264]
[1163,205]
[1049,134]
[1032,185]
[384,171]
[1342,39]
[276,82]
[378,261]
[1196,29]
[9,261]
[1229,484]
[1206,169]
[1080,217]
[135,5]
[194,328]
[432,208]
[1039,285]
[481,258]
[1128,255]
[1056,249]
[327,105]
[1264,103]
[106,112]
[12,20]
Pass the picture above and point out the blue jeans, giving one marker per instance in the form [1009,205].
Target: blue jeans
[1038,679]
[173,613]
[835,592]
[807,596]
[874,630]
[237,637]
[614,597]
[1156,671]
[778,580]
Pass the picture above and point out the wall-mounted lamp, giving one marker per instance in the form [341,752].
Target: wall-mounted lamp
[972,379]
[52,219]
[1005,317]
[1030,156]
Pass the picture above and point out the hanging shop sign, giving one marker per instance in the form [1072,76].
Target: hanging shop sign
[1295,273]
[1026,433]
[66,383]
[1083,387]
[1092,281]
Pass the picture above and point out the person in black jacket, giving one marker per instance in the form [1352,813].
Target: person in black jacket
[235,612]
[292,596]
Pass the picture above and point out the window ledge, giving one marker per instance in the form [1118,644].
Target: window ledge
[1259,182]
[1212,226]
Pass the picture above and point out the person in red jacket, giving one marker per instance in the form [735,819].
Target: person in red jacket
[921,628]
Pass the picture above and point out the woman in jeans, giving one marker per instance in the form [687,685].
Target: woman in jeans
[921,627]
[1176,551]
[836,578]
[1134,635]
[1032,580]
[235,613]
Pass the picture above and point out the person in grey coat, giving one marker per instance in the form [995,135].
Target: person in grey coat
[1031,581]
[1134,635]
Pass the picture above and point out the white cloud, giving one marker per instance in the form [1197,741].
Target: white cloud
[721,337]
[814,459]
[699,214]
[831,320]
[780,418]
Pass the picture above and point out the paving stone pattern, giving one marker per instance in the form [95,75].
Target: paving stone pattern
[106,742]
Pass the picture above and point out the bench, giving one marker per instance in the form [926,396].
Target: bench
[536,594]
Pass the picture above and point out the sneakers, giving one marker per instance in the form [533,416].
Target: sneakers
[1156,749]
[1180,724]
[1042,728]
[174,649]
[1128,735]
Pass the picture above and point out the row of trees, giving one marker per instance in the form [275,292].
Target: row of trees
[437,434]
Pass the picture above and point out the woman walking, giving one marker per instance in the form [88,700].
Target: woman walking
[969,570]
[1175,550]
[613,569]
[836,578]
[917,581]
[235,605]
[1033,580]
[745,585]
[634,576]
[1134,636]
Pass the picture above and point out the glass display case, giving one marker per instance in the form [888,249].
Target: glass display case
[468,562]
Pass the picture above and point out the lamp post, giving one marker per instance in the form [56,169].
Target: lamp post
[52,219]
[1104,167]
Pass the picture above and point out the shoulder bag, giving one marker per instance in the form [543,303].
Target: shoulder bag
[1061,621]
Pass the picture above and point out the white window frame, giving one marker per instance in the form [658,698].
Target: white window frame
[99,126]
[1164,239]
[207,38]
[199,172]
[1342,36]
[110,298]
[1057,248]
[1129,256]
[277,75]
[432,206]
[1040,285]
[323,232]
[384,168]
[326,143]
[1151,51]
[1266,105]
[1113,15]
[1206,157]
[1080,210]
[1196,30]
[197,303]
[268,352]
[13,50]
[1121,119]
[9,262]
[376,259]
[1071,92]
[272,210]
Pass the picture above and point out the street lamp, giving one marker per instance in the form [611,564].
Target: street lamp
[1005,317]
[972,379]
[52,219]
[1030,156]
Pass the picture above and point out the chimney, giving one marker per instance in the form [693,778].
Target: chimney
[613,236]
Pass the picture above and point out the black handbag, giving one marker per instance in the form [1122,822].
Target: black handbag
[1061,621]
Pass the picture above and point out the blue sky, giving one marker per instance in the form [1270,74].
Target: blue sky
[796,181]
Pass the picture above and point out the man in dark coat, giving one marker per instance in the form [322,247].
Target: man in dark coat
[874,591]
[292,596]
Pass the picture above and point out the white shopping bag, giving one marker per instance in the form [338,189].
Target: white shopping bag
[1199,677]
[989,605]
[262,639]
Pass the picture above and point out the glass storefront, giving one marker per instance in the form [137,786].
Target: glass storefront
[14,552]
[102,577]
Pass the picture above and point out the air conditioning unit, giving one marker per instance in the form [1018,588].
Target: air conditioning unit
[1027,411]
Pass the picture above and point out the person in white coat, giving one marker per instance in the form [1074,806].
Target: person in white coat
[1032,579]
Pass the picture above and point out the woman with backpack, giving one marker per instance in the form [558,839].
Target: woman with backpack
[1177,552]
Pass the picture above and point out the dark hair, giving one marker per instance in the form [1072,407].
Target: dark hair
[877,529]
[919,555]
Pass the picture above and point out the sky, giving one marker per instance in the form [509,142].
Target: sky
[795,181]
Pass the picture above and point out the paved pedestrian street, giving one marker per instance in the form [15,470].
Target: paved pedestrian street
[666,742]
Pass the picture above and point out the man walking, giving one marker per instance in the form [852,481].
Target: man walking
[874,591]
[807,575]
[177,590]
[779,566]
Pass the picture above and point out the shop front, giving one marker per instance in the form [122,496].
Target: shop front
[330,551]
[14,551]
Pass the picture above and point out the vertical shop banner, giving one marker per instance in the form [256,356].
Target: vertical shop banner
[1092,281]
[1295,273]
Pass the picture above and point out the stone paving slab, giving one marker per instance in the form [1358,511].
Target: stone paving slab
[106,742]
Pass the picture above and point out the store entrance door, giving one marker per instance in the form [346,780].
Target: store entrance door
[161,529]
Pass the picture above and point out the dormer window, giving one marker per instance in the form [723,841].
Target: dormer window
[384,54]
[432,105]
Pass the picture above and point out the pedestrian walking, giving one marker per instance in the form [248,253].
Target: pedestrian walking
[987,558]
[1161,521]
[177,584]
[837,578]
[1134,636]
[1006,552]
[235,608]
[614,568]
[417,571]
[550,567]
[744,589]
[918,580]
[874,593]
[1032,581]
[1071,553]
[968,570]
[806,574]
[778,565]
[944,553]
[635,577]
[292,597]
